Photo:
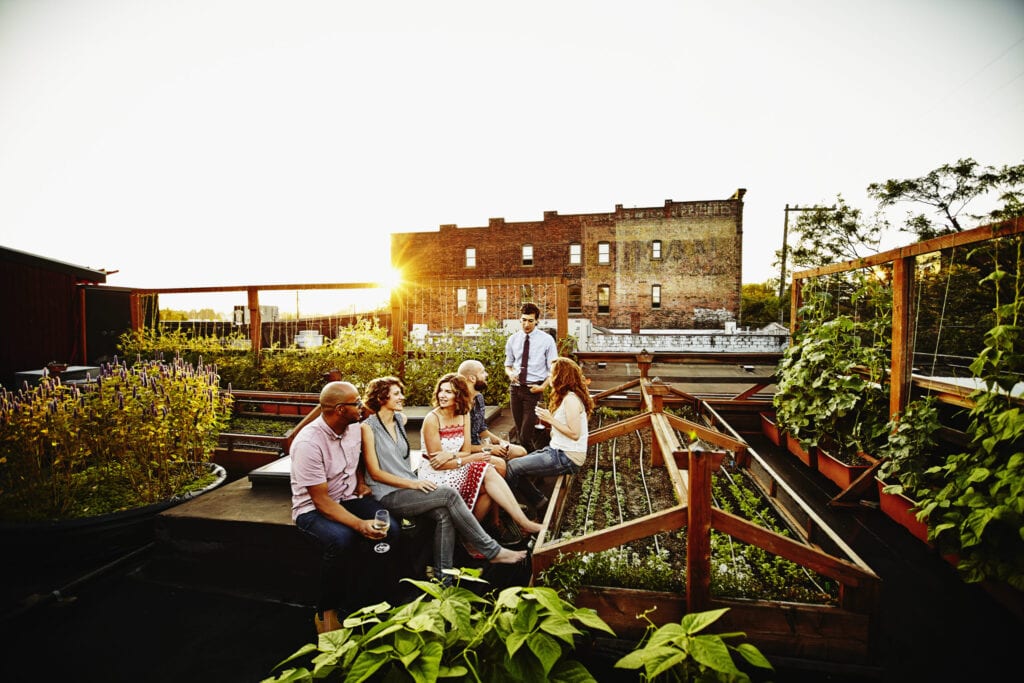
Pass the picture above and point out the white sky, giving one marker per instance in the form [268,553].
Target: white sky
[208,142]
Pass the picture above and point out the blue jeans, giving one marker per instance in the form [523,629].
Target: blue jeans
[545,462]
[355,571]
[445,506]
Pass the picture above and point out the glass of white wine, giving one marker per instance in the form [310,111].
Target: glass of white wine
[485,443]
[381,520]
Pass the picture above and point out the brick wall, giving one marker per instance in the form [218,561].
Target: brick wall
[698,270]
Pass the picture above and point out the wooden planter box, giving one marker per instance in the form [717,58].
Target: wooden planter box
[813,632]
[770,429]
[841,474]
[808,457]
[899,508]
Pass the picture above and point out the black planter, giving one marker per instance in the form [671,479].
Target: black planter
[37,552]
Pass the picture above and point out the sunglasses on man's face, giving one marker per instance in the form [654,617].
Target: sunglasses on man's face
[357,404]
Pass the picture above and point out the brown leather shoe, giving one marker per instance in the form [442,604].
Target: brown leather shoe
[328,622]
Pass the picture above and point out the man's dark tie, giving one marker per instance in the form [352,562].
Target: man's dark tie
[526,360]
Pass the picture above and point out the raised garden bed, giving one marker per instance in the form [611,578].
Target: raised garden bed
[620,485]
[633,497]
[259,424]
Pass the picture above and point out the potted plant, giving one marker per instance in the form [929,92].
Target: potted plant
[831,400]
[770,428]
[124,446]
[906,456]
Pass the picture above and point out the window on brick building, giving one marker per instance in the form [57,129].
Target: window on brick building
[604,253]
[481,299]
[460,296]
[471,257]
[575,254]
[527,254]
[525,293]
[575,296]
[655,296]
[656,250]
[604,298]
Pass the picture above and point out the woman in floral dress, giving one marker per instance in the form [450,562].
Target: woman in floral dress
[446,439]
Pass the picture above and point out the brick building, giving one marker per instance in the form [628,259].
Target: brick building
[675,266]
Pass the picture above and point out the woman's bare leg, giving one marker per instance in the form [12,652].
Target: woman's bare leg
[501,494]
[484,505]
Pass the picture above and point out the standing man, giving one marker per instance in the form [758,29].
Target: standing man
[476,377]
[528,356]
[332,503]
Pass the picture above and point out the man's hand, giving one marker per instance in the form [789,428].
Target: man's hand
[365,527]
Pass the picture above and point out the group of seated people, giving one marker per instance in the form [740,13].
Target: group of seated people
[351,457]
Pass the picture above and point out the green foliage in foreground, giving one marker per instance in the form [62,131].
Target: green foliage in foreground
[523,634]
[680,652]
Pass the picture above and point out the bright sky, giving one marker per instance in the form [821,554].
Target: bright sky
[207,142]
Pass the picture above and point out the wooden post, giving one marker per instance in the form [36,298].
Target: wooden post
[643,362]
[255,323]
[562,310]
[398,328]
[796,299]
[135,310]
[657,393]
[83,336]
[902,321]
[698,532]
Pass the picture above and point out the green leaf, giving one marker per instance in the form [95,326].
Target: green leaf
[591,619]
[696,622]
[570,671]
[304,650]
[751,654]
[669,634]
[545,648]
[712,652]
[428,664]
[640,658]
[514,641]
[560,628]
[366,665]
[290,675]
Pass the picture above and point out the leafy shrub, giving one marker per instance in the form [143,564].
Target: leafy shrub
[361,352]
[522,634]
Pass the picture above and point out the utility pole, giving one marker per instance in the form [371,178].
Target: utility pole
[785,247]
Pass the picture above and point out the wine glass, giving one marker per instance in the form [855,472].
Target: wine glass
[381,520]
[485,443]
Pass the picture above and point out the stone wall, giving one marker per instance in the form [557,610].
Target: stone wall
[738,342]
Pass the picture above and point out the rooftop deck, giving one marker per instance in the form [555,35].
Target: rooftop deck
[226,592]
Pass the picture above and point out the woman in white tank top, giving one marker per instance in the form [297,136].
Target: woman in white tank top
[567,414]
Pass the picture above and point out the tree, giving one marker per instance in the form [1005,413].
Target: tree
[948,190]
[759,304]
[830,235]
